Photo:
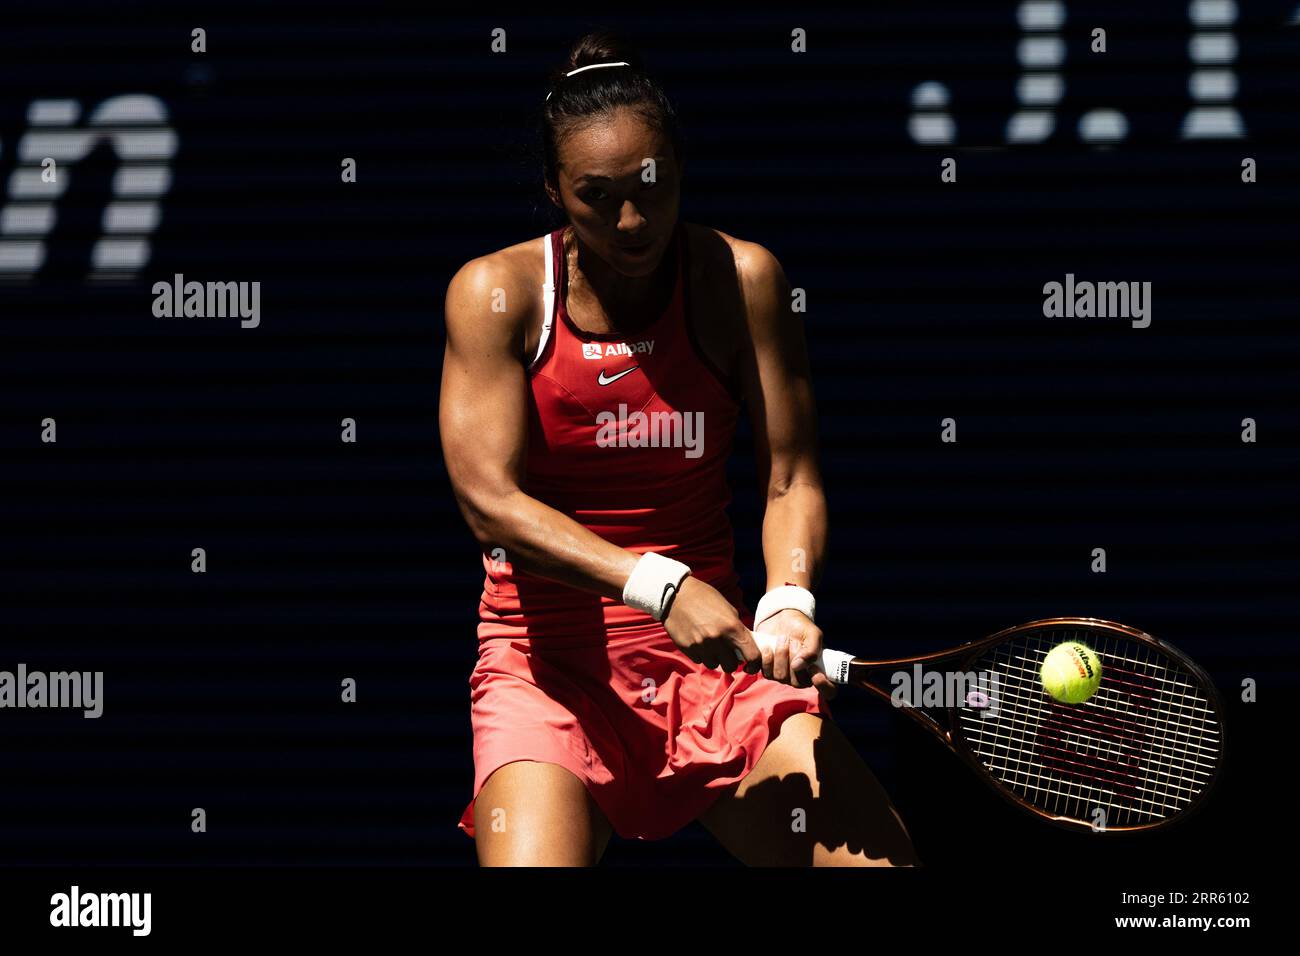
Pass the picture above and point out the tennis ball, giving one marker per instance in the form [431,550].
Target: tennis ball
[1071,672]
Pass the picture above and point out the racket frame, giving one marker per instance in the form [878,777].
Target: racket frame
[965,657]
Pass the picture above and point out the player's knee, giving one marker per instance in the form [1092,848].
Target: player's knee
[505,853]
[533,839]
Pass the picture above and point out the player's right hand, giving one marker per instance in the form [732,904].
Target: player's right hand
[709,630]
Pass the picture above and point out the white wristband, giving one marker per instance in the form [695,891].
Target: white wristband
[653,583]
[786,596]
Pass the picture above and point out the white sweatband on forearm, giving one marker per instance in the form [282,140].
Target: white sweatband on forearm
[653,584]
[779,599]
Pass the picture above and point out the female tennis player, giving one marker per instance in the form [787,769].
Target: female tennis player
[591,385]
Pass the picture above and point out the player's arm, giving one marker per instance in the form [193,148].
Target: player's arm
[777,385]
[778,388]
[483,421]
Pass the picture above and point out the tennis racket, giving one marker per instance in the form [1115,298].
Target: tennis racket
[1142,753]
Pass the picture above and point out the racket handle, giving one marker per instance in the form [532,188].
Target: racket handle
[834,664]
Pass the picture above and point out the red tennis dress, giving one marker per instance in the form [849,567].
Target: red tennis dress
[629,435]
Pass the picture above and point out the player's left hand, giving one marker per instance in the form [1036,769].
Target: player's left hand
[790,645]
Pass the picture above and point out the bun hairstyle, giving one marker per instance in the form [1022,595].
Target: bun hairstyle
[577,99]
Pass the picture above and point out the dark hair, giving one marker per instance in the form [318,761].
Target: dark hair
[576,99]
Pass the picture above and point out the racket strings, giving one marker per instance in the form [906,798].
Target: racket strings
[1090,772]
[1178,737]
[1206,731]
[1056,743]
[1058,726]
[1028,692]
[1142,748]
[1036,773]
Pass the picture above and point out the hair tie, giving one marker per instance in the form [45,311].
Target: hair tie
[591,66]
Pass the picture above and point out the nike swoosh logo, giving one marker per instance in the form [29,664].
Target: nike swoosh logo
[614,378]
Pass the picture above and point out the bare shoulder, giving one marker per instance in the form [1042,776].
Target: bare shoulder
[750,260]
[492,297]
[745,272]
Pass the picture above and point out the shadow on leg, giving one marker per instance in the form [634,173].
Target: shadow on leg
[810,801]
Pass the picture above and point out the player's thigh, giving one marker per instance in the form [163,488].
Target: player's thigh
[810,801]
[533,813]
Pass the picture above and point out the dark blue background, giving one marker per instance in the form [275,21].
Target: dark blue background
[328,561]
